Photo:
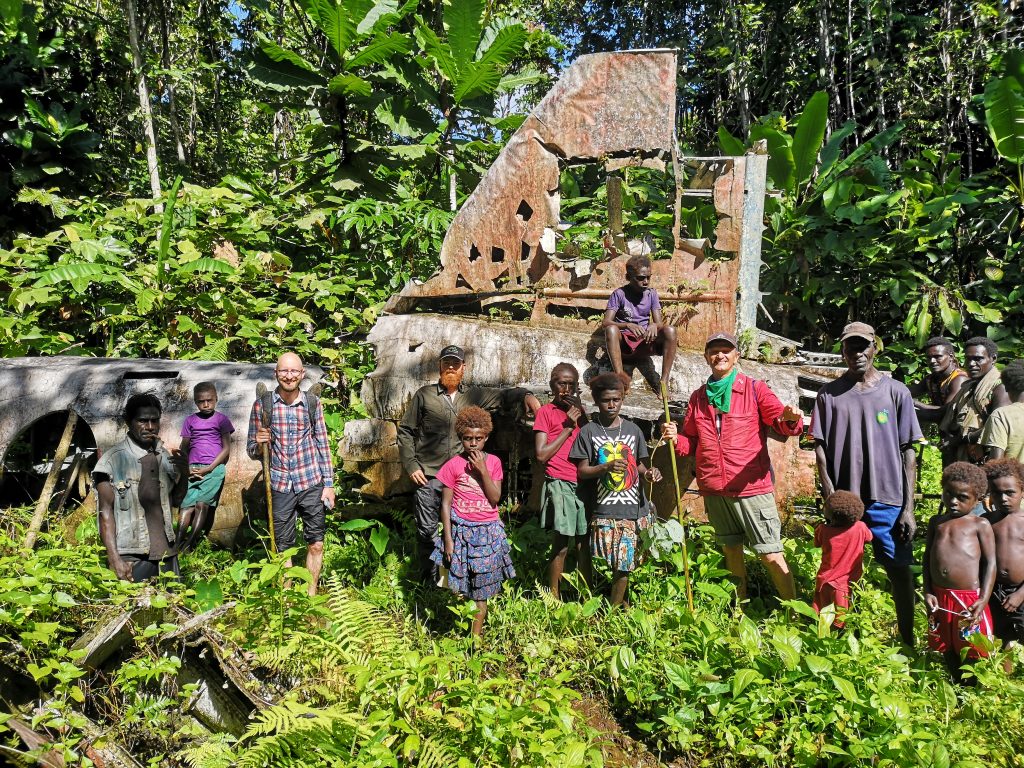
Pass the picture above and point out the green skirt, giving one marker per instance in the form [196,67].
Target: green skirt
[561,508]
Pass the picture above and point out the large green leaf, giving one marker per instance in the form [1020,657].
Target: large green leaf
[281,76]
[378,13]
[1013,64]
[463,21]
[206,264]
[404,116]
[781,169]
[98,273]
[830,153]
[1004,116]
[349,85]
[276,53]
[810,133]
[476,80]
[730,144]
[166,226]
[380,50]
[335,18]
[508,44]
[524,77]
[437,52]
[872,146]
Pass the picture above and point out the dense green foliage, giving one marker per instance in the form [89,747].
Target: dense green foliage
[303,161]
[377,672]
[323,147]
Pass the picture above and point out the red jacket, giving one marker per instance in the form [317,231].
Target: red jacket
[734,463]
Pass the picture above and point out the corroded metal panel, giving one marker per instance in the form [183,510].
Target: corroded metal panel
[616,109]
[604,105]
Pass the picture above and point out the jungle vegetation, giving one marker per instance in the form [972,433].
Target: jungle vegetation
[220,180]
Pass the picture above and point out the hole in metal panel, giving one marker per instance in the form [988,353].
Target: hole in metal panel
[129,375]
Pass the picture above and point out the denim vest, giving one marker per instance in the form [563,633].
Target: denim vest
[122,463]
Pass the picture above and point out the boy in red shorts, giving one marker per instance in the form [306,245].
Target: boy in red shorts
[959,568]
[842,538]
[1005,489]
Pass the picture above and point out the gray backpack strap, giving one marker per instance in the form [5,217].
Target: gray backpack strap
[312,403]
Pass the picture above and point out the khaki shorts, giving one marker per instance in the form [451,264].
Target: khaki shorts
[753,520]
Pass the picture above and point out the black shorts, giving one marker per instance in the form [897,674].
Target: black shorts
[288,506]
[1005,625]
[144,569]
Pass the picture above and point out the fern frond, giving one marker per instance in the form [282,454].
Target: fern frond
[215,351]
[214,752]
[436,754]
[292,731]
[360,631]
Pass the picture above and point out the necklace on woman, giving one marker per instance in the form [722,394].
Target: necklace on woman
[605,430]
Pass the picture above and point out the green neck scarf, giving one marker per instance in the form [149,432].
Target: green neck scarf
[720,391]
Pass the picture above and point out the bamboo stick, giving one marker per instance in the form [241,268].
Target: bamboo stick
[39,516]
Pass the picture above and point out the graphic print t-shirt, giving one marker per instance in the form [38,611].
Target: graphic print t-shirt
[615,495]
[468,498]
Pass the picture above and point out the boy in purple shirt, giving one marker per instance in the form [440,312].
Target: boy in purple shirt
[206,441]
[633,326]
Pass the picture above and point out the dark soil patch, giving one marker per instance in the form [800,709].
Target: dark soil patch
[619,749]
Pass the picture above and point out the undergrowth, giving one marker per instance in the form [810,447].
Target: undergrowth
[379,672]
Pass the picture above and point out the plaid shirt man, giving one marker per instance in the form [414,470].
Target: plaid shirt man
[300,455]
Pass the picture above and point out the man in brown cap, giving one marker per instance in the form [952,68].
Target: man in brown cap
[427,439]
[864,428]
[725,442]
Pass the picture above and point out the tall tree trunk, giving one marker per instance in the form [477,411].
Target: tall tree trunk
[144,105]
[172,108]
[851,106]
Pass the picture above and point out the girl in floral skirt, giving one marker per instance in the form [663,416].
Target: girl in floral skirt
[474,548]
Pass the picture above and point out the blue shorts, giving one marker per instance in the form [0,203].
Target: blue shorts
[881,519]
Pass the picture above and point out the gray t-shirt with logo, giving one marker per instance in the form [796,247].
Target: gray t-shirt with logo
[863,432]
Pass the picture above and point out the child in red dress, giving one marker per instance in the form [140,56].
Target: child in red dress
[842,538]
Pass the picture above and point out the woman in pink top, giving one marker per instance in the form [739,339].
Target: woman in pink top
[475,548]
[561,509]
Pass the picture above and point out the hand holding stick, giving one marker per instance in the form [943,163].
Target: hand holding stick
[261,390]
[679,499]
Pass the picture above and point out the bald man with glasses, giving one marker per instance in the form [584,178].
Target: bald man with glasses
[301,472]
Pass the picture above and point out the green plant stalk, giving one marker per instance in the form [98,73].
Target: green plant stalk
[679,503]
[164,243]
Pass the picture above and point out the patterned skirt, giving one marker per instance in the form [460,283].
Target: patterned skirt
[618,541]
[480,559]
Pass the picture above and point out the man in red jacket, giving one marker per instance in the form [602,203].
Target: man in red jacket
[725,441]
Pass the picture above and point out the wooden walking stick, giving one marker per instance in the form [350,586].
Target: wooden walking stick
[679,503]
[265,415]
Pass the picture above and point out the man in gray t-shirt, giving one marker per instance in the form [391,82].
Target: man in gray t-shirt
[864,427]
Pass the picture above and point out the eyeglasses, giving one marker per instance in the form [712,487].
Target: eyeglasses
[288,371]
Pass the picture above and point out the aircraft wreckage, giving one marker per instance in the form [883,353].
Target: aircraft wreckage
[502,251]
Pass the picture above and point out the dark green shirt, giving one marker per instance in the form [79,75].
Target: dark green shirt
[426,435]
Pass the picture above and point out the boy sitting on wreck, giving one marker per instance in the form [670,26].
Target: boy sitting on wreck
[634,328]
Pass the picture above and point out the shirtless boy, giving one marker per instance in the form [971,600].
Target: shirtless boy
[959,568]
[1005,489]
